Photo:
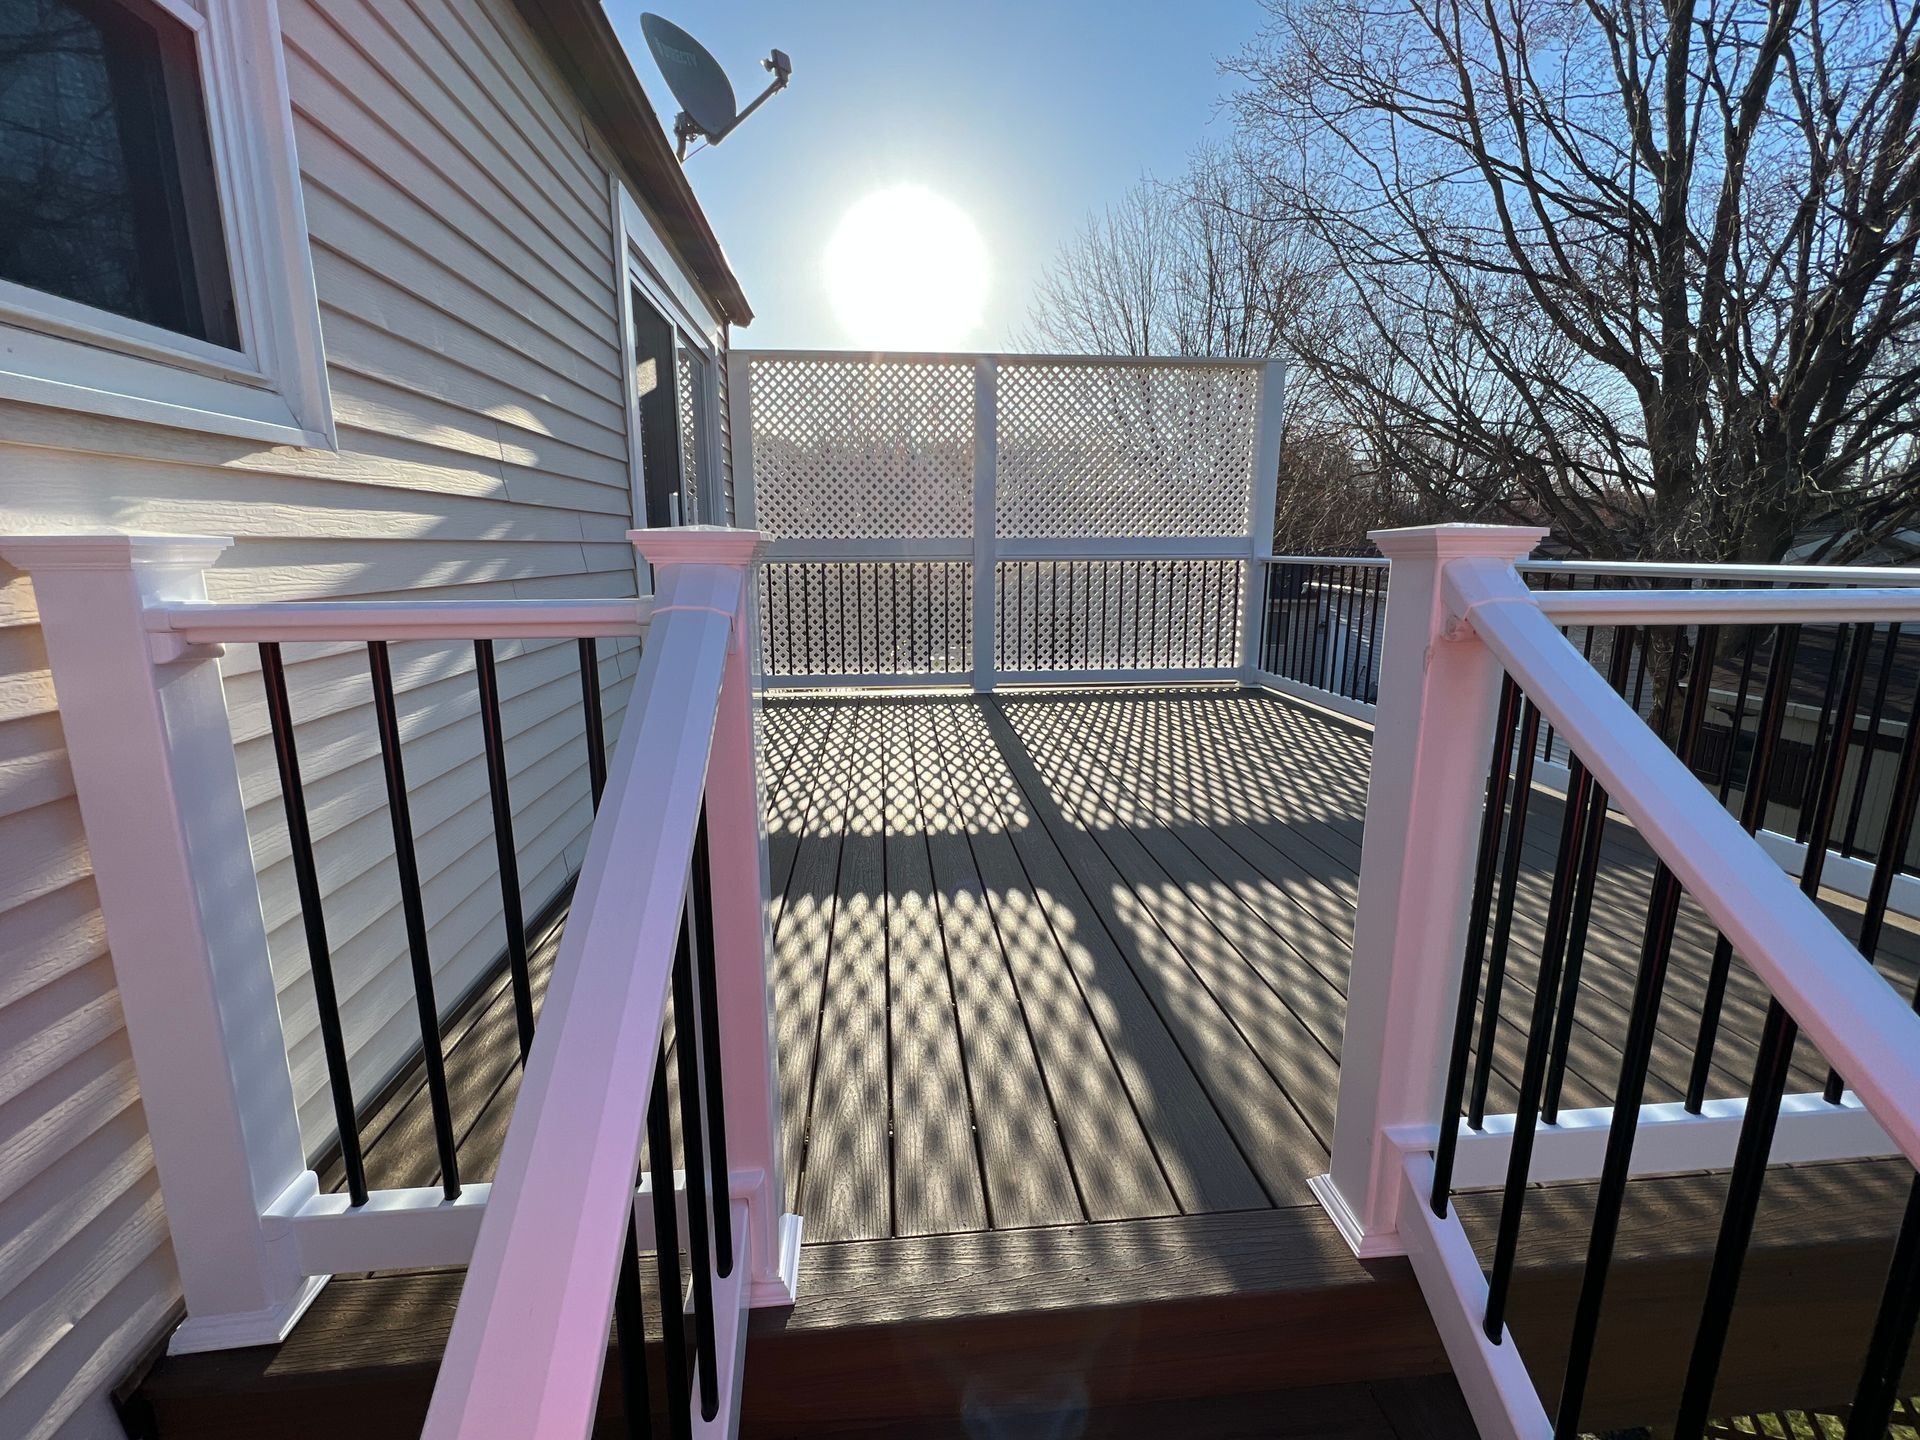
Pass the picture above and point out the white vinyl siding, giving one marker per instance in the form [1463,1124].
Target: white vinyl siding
[464,257]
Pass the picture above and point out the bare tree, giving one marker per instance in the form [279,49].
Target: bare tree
[1643,272]
[1196,266]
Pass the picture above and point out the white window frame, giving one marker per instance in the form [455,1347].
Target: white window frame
[644,263]
[58,352]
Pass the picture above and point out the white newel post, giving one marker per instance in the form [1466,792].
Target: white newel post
[145,721]
[737,854]
[986,519]
[1433,730]
[1261,497]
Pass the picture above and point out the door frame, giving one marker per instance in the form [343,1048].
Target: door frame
[643,263]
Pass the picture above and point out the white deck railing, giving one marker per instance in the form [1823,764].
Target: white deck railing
[133,642]
[1461,617]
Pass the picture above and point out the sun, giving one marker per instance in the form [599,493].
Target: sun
[907,270]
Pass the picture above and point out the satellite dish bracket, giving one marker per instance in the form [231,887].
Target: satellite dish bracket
[701,85]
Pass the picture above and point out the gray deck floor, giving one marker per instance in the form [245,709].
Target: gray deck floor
[1061,956]
[1059,981]
[1055,957]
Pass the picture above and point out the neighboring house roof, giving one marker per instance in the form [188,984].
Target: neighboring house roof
[580,40]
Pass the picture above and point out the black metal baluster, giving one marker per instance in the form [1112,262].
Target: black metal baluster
[504,851]
[686,1029]
[596,727]
[1649,985]
[413,911]
[1546,583]
[630,1331]
[1893,1327]
[313,919]
[1503,913]
[1371,688]
[1753,810]
[1771,1067]
[1896,834]
[1584,885]
[1739,713]
[1322,619]
[1499,770]
[1346,634]
[1823,717]
[1304,605]
[712,1074]
[1874,716]
[666,1250]
[1539,1034]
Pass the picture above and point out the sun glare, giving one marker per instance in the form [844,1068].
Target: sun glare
[907,270]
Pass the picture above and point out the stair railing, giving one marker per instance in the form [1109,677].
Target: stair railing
[1472,656]
[666,920]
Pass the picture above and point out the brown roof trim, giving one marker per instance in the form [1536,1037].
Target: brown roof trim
[579,38]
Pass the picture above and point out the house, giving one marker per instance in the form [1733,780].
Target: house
[360,285]
[971,943]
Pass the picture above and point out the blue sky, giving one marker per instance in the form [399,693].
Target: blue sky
[1025,115]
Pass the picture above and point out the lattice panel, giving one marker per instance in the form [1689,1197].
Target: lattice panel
[690,420]
[1125,450]
[1062,615]
[861,448]
[827,618]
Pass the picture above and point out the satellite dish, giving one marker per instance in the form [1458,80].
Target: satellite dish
[700,85]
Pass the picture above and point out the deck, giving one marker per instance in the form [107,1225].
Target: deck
[1059,981]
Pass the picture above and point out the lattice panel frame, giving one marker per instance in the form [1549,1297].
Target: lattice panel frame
[862,447]
[1131,450]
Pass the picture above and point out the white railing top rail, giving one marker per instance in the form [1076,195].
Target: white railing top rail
[1872,575]
[1729,607]
[1680,570]
[1373,560]
[1862,1027]
[529,1338]
[207,623]
[1001,357]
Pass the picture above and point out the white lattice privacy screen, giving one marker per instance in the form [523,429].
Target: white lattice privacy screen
[1114,498]
[1125,450]
[862,447]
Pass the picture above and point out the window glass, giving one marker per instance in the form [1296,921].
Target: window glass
[653,370]
[107,188]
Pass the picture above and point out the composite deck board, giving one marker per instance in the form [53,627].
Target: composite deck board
[1279,1146]
[1116,1172]
[803,941]
[845,1180]
[1203,1165]
[1028,1179]
[937,1173]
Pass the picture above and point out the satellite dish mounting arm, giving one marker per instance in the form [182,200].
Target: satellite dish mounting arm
[685,127]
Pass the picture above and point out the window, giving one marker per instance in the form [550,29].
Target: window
[675,342]
[107,190]
[672,379]
[153,257]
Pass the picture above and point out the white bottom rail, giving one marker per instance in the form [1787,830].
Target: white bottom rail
[1493,1378]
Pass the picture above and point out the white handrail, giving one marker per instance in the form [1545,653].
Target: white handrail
[1862,1027]
[1687,570]
[529,1338]
[211,624]
[1727,607]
